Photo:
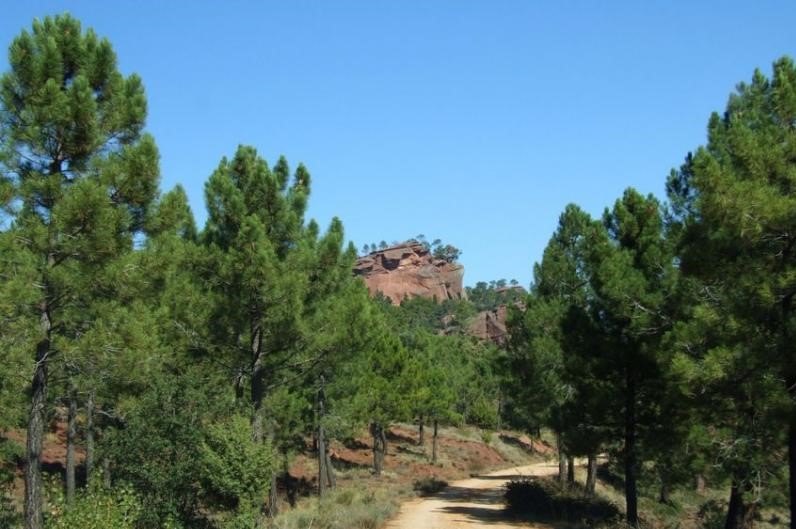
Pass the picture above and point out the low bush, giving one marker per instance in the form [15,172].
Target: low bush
[98,508]
[429,486]
[546,500]
[350,508]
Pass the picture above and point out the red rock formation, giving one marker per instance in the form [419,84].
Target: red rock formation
[491,325]
[409,270]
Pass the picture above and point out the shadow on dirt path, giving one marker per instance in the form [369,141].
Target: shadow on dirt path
[469,503]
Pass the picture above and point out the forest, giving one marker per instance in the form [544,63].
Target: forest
[191,365]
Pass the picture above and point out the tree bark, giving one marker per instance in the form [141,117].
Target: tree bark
[663,497]
[89,436]
[434,442]
[322,474]
[740,515]
[273,493]
[258,385]
[379,440]
[106,472]
[421,438]
[239,378]
[499,410]
[792,468]
[631,492]
[34,517]
[700,484]
[290,486]
[273,497]
[325,470]
[71,437]
[591,475]
[570,470]
[331,478]
[562,461]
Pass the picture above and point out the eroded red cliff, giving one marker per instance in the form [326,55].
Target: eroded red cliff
[409,270]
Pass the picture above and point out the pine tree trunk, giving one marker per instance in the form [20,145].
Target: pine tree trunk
[325,470]
[591,475]
[733,509]
[71,437]
[34,516]
[273,493]
[421,438]
[239,378]
[499,411]
[571,470]
[331,478]
[89,436]
[106,472]
[434,443]
[290,488]
[700,484]
[792,467]
[273,497]
[322,475]
[663,497]
[631,492]
[740,515]
[562,461]
[378,447]
[790,384]
[258,384]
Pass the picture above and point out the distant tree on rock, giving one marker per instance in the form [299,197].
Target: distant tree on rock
[447,252]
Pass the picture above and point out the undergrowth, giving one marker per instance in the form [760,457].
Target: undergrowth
[545,500]
[348,508]
[429,486]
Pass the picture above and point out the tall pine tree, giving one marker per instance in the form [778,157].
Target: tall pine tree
[80,177]
[736,199]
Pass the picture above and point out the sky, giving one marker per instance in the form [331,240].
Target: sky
[471,122]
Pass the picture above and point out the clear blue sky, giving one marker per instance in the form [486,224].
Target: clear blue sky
[473,122]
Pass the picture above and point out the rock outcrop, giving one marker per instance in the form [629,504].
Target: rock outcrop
[409,270]
[491,324]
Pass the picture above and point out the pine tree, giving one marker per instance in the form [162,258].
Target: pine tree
[735,198]
[549,340]
[278,287]
[81,177]
[633,280]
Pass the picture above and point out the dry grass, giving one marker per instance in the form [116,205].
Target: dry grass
[363,501]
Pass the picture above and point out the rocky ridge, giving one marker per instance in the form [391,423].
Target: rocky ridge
[409,270]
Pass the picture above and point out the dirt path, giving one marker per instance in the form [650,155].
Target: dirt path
[469,503]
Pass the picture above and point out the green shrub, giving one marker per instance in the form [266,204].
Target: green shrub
[9,518]
[235,470]
[429,486]
[9,453]
[546,500]
[158,449]
[487,437]
[97,509]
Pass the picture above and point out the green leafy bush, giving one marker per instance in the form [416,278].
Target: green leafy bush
[158,449]
[97,509]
